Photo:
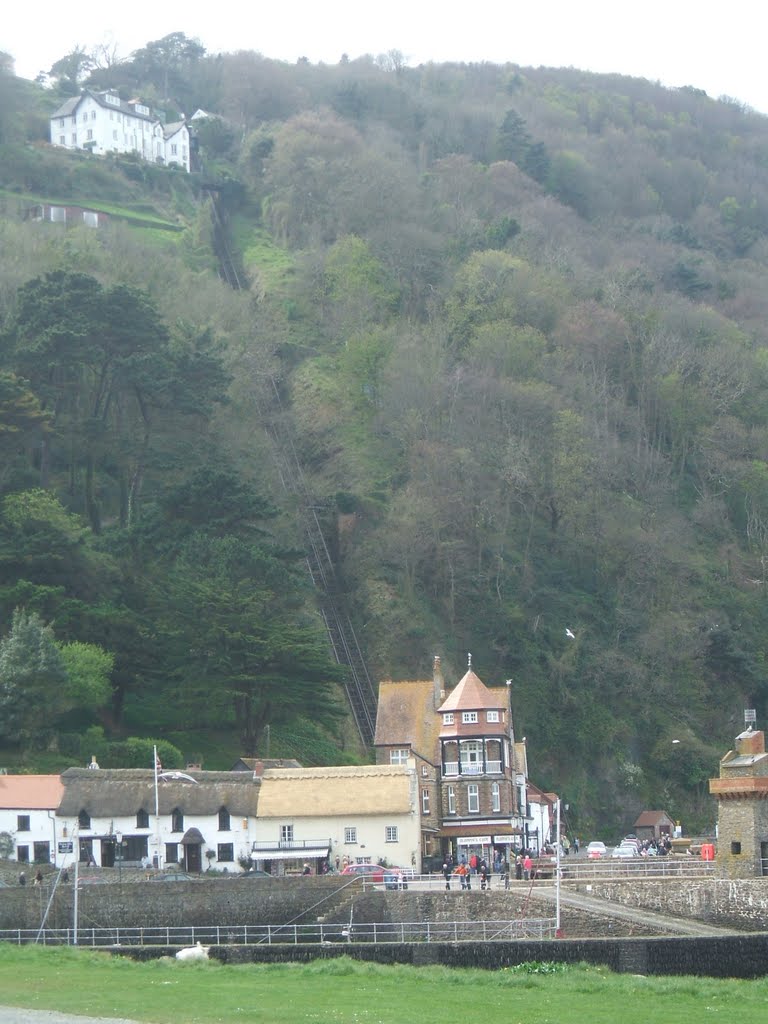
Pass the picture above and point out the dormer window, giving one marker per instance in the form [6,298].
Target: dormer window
[177,820]
[224,822]
[399,756]
[142,819]
[448,718]
[84,819]
[469,717]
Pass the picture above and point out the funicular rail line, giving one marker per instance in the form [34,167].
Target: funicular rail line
[358,686]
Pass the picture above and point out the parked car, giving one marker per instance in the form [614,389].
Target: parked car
[397,878]
[596,849]
[625,850]
[373,872]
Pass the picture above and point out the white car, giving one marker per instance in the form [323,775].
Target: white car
[625,850]
[596,850]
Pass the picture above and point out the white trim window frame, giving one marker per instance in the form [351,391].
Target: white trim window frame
[473,798]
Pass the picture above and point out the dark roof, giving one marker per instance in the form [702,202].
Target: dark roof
[121,791]
[70,106]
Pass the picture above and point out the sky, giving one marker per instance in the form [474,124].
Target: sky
[712,46]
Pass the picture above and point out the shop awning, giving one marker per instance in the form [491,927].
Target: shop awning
[305,853]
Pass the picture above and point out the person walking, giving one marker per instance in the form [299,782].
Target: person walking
[447,875]
[22,878]
[527,866]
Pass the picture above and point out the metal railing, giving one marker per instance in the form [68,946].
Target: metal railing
[295,934]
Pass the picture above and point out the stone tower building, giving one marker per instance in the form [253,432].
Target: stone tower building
[742,801]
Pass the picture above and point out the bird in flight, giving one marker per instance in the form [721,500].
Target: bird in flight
[569,634]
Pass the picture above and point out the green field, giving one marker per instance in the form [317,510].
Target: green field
[344,991]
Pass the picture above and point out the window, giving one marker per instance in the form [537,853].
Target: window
[473,799]
[399,756]
[84,819]
[85,116]
[42,853]
[492,716]
[93,115]
[171,853]
[424,771]
[350,835]
[177,820]
[134,848]
[61,122]
[448,718]
[89,134]
[22,823]
[225,851]
[62,140]
[114,134]
[286,833]
[174,149]
[425,801]
[142,819]
[224,822]
[451,800]
[391,834]
[735,848]
[471,755]
[469,717]
[495,797]
[74,138]
[22,854]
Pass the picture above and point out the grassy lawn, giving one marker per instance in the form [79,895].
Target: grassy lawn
[346,992]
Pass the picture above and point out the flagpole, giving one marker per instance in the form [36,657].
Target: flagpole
[157,811]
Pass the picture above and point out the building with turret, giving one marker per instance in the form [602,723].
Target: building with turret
[472,773]
[742,807]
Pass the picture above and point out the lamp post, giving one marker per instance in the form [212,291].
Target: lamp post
[119,852]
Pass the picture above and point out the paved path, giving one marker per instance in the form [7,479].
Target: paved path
[651,918]
[19,1015]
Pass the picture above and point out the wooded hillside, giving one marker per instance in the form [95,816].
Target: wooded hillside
[513,321]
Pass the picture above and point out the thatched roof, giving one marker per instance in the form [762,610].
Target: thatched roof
[124,791]
[348,790]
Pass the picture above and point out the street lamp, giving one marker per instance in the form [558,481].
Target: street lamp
[119,842]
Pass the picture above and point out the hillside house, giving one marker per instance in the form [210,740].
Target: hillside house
[206,818]
[101,123]
[277,819]
[28,805]
[361,814]
[473,776]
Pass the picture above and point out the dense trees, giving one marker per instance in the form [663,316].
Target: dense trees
[511,321]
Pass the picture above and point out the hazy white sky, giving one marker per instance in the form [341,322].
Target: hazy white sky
[718,47]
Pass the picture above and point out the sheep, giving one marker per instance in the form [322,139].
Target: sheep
[197,952]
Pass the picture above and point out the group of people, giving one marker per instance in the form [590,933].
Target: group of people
[476,868]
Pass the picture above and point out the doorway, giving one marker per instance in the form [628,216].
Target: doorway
[193,858]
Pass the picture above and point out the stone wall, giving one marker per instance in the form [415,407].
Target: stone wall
[739,903]
[730,957]
[221,901]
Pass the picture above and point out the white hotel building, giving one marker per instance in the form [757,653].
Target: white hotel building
[101,123]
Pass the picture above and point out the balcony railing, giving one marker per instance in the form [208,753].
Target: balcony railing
[453,768]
